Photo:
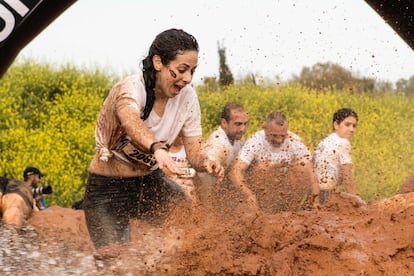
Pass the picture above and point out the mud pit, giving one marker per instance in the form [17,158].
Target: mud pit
[344,237]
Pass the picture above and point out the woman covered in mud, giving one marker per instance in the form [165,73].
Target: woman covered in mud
[140,118]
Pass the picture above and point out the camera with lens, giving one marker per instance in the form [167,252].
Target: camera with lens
[47,189]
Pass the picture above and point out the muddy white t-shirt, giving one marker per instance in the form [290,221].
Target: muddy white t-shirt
[182,114]
[291,151]
[329,155]
[219,148]
[179,155]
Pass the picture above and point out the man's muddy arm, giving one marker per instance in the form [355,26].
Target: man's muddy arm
[348,179]
[237,176]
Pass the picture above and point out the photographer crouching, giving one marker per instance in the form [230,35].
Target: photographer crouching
[18,199]
[34,176]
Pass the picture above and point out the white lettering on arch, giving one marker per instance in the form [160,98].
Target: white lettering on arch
[9,22]
[18,6]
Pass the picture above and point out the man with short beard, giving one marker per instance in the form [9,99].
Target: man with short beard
[223,145]
[274,169]
[225,142]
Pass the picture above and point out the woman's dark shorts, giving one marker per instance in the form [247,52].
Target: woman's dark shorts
[110,202]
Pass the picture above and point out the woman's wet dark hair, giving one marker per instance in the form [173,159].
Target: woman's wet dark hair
[167,45]
[342,114]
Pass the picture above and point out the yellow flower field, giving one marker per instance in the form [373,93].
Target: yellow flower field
[48,115]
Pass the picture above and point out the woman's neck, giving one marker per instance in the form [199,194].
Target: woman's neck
[159,105]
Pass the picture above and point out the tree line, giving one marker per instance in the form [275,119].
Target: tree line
[321,76]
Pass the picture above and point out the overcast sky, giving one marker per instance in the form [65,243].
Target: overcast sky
[267,38]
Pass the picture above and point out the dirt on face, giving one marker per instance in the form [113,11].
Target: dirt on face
[343,237]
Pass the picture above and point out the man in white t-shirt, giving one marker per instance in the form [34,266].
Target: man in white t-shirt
[223,145]
[332,157]
[274,169]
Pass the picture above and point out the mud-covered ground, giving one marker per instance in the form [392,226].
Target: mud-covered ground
[221,237]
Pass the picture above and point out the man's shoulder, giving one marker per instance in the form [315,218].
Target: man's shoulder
[257,135]
[256,141]
[216,136]
[293,136]
[14,184]
[294,140]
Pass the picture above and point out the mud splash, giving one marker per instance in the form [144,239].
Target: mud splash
[345,237]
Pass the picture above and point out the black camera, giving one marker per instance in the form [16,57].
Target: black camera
[42,190]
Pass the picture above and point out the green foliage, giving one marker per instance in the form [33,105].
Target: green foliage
[48,116]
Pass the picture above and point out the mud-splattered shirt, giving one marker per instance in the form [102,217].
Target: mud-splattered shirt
[329,155]
[219,148]
[291,151]
[182,114]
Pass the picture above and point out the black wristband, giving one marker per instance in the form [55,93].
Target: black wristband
[156,146]
[151,148]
